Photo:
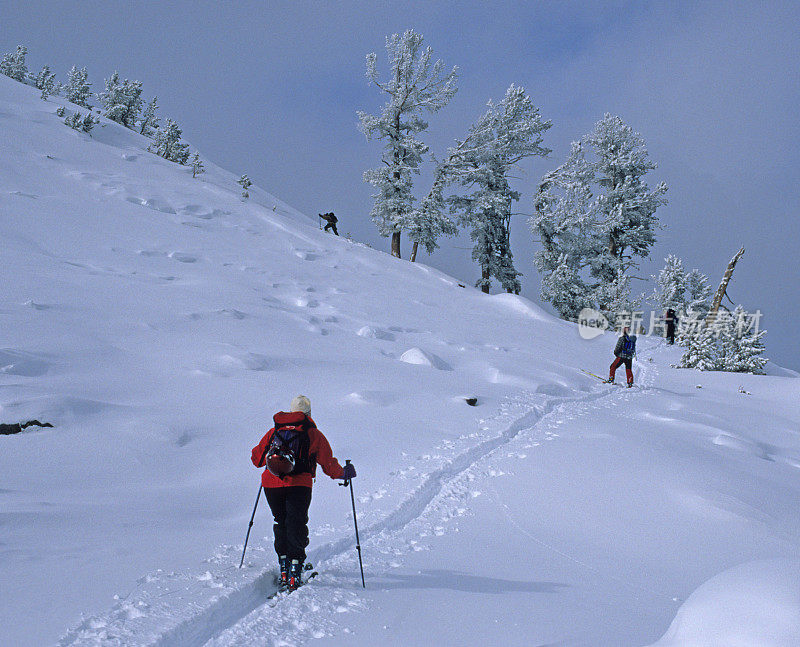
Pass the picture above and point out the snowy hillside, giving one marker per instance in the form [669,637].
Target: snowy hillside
[158,321]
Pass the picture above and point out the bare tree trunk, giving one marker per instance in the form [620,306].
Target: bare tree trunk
[486,278]
[414,251]
[723,287]
[396,244]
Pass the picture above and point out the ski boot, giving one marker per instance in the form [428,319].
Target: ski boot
[283,580]
[630,384]
[295,575]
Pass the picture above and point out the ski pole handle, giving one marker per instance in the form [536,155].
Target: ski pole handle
[346,482]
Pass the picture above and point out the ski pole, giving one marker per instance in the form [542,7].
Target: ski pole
[253,516]
[355,522]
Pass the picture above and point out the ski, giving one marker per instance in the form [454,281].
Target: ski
[602,379]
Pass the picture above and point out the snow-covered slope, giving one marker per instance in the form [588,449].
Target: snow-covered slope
[158,321]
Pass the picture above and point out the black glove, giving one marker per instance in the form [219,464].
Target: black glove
[349,472]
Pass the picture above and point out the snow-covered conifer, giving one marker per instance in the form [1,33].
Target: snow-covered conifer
[78,89]
[613,298]
[506,133]
[626,205]
[564,223]
[414,86]
[701,349]
[77,121]
[122,100]
[565,290]
[150,122]
[698,297]
[245,183]
[13,64]
[46,82]
[671,285]
[167,143]
[601,212]
[197,165]
[431,220]
[741,347]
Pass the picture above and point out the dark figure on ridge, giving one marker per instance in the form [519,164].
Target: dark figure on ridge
[331,220]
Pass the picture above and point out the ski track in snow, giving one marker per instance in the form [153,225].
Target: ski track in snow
[227,606]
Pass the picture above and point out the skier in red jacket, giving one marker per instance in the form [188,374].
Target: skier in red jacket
[291,456]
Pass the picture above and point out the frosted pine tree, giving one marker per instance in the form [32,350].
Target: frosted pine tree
[565,290]
[197,165]
[626,205]
[78,89]
[600,211]
[167,143]
[698,293]
[564,223]
[46,82]
[742,347]
[13,64]
[414,87]
[245,183]
[671,285]
[122,100]
[507,133]
[149,123]
[701,346]
[431,222]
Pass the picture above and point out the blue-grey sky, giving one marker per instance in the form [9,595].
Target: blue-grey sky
[271,89]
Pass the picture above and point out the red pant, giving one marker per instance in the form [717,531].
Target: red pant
[617,363]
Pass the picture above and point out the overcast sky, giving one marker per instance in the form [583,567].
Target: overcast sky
[271,89]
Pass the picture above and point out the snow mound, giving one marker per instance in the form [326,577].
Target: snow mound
[522,305]
[418,356]
[756,603]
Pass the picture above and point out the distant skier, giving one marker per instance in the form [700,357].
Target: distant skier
[331,220]
[291,451]
[671,320]
[624,352]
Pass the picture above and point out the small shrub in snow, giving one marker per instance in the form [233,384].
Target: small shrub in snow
[60,112]
[197,165]
[245,183]
[46,82]
[149,123]
[77,121]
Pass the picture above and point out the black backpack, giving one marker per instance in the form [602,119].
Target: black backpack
[288,453]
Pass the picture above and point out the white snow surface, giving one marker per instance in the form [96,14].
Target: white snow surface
[158,321]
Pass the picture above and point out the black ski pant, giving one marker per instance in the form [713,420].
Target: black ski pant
[671,332]
[331,225]
[289,507]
